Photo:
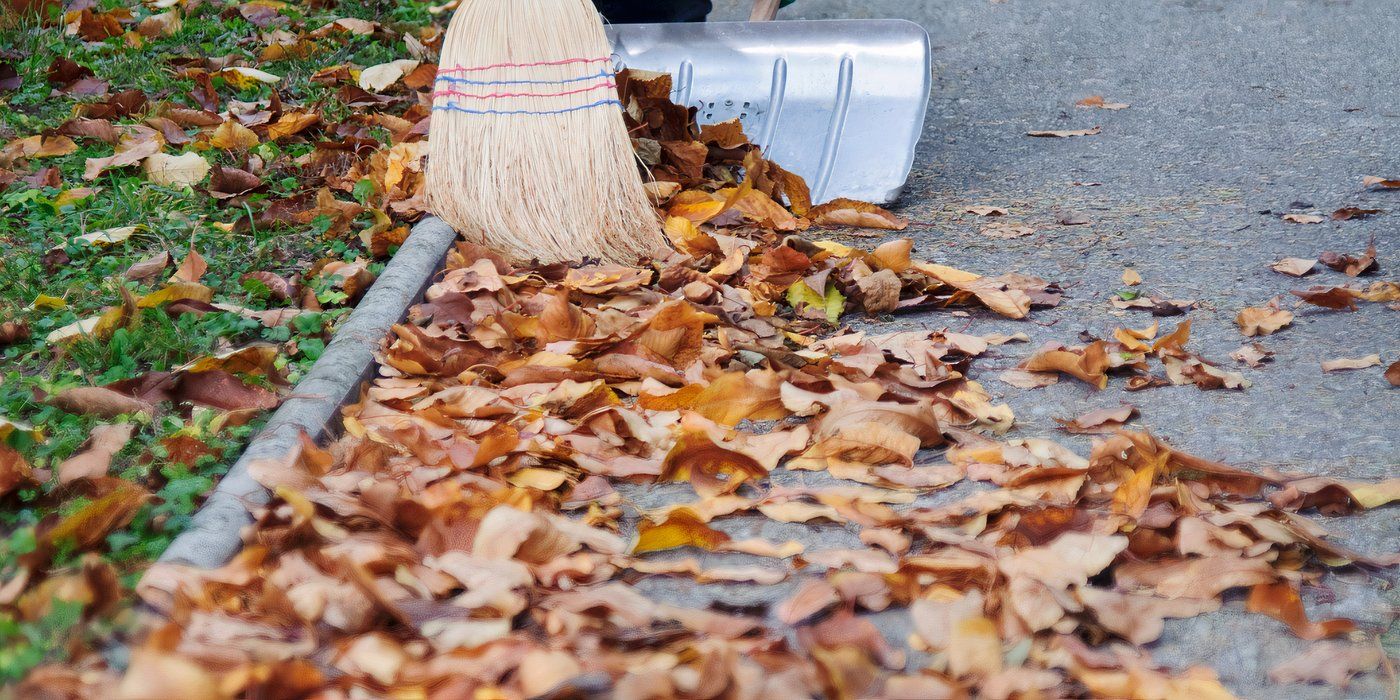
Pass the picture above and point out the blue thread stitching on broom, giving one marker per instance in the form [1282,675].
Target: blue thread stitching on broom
[454,107]
[467,81]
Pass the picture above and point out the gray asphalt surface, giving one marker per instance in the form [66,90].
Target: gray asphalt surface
[1238,107]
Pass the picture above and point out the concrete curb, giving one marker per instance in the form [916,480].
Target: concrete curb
[214,535]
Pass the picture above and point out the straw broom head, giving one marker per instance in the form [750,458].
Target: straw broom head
[528,152]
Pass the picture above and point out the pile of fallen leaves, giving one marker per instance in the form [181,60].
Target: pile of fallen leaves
[475,533]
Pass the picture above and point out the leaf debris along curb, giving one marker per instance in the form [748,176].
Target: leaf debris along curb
[213,537]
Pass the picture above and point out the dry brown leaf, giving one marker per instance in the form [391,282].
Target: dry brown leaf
[1131,277]
[1088,365]
[1097,101]
[1339,298]
[981,210]
[1303,218]
[94,458]
[849,212]
[1296,267]
[1253,355]
[1380,183]
[1343,363]
[1104,420]
[1263,320]
[1392,373]
[1281,601]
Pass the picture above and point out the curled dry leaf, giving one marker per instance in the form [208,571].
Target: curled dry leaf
[1343,363]
[1104,420]
[1392,373]
[1254,355]
[1088,364]
[1352,265]
[1349,213]
[1339,298]
[849,212]
[1263,320]
[1296,218]
[1380,183]
[1131,277]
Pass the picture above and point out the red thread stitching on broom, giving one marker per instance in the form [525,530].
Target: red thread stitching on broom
[459,93]
[565,62]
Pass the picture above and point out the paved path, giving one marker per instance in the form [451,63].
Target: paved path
[1238,106]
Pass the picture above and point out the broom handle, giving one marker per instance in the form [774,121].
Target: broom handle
[764,10]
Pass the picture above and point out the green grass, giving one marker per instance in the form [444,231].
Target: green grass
[40,256]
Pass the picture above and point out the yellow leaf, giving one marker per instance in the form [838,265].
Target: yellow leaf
[178,291]
[683,527]
[242,77]
[233,136]
[44,301]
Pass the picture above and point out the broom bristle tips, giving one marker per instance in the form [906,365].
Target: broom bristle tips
[528,152]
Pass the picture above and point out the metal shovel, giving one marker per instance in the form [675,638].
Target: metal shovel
[839,102]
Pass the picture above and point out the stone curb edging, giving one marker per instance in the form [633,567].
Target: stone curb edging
[214,535]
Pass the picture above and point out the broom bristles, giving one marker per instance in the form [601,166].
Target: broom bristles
[528,152]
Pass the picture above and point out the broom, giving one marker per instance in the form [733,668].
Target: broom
[528,152]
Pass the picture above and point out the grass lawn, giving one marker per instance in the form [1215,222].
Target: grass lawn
[241,273]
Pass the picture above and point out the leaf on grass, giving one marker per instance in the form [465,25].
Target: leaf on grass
[185,169]
[108,237]
[1297,267]
[850,212]
[94,458]
[377,78]
[14,332]
[137,144]
[15,471]
[233,136]
[1263,320]
[191,269]
[243,77]
[1066,134]
[1343,363]
[100,402]
[148,268]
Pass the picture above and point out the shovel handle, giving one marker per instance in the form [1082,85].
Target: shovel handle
[764,10]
